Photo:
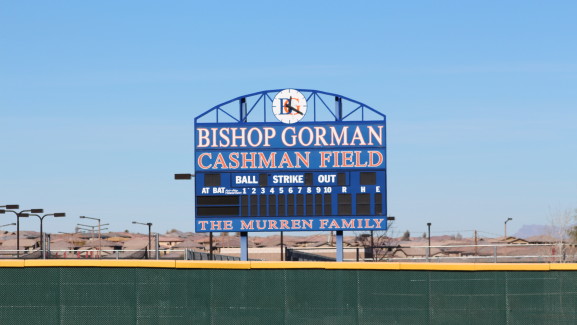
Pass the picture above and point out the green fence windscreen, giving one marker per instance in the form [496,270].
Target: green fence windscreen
[284,296]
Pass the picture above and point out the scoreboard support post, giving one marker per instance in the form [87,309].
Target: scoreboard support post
[210,247]
[281,246]
[339,246]
[244,246]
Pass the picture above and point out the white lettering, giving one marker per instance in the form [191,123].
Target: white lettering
[203,138]
[288,179]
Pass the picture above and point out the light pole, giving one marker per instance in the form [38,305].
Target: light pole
[149,224]
[183,176]
[429,226]
[8,224]
[99,237]
[91,228]
[10,206]
[21,214]
[55,215]
[508,219]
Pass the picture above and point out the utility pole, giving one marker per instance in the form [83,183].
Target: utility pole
[149,224]
[476,243]
[429,227]
[99,233]
[508,219]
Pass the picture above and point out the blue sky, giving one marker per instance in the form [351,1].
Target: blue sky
[97,101]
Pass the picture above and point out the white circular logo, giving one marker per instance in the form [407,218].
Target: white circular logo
[289,106]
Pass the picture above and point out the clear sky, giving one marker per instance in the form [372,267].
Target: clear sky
[97,100]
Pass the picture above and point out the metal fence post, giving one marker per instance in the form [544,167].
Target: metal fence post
[495,253]
[157,246]
[43,247]
[48,248]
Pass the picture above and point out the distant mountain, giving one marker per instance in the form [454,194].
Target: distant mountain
[527,231]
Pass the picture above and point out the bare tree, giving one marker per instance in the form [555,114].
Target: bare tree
[573,227]
[565,233]
[572,236]
[379,244]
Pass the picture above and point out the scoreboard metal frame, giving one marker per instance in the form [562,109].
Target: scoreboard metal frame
[324,173]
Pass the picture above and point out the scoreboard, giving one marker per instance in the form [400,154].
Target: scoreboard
[306,176]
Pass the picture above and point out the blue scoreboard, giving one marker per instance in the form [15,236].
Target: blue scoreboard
[279,176]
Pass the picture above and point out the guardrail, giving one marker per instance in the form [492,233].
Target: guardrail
[184,254]
[495,253]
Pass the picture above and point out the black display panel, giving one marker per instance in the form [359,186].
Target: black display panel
[272,205]
[318,204]
[262,205]
[308,179]
[345,204]
[341,179]
[217,200]
[328,203]
[263,180]
[291,204]
[363,204]
[378,204]
[244,205]
[282,205]
[309,205]
[300,205]
[254,205]
[368,178]
[217,211]
[212,180]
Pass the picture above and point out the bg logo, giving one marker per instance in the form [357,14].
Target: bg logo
[284,107]
[289,106]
